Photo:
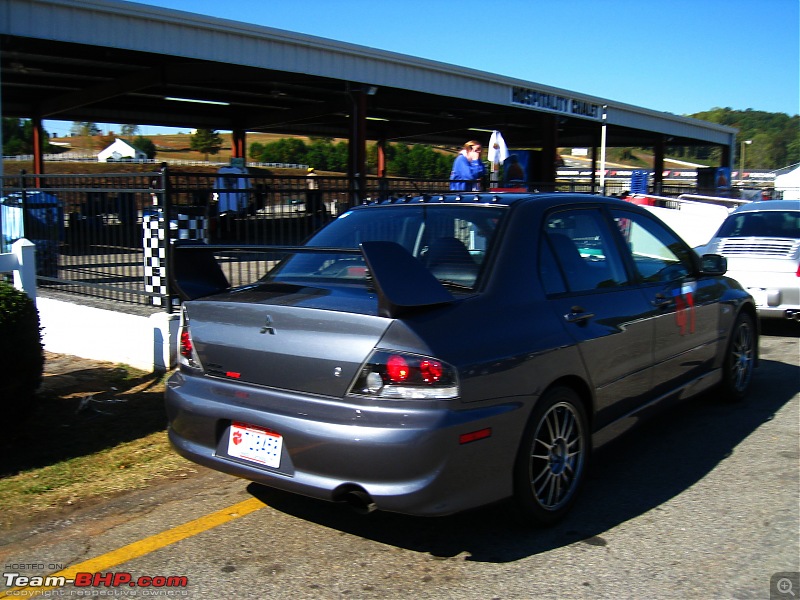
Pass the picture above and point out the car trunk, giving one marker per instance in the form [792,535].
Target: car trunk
[301,338]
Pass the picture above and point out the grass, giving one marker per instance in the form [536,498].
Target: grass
[94,433]
[32,494]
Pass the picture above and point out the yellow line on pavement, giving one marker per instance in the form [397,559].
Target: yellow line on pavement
[142,547]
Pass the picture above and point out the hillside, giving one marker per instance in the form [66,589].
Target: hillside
[177,147]
[172,146]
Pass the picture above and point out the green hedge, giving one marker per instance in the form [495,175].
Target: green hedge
[21,352]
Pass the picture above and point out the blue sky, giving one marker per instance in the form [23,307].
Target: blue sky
[678,56]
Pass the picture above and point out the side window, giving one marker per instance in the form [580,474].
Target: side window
[659,255]
[582,246]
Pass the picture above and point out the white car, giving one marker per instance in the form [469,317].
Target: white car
[761,241]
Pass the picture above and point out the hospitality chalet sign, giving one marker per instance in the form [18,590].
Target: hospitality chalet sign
[556,103]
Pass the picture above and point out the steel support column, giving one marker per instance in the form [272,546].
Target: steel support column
[550,153]
[726,159]
[38,147]
[238,143]
[658,165]
[381,167]
[596,147]
[357,145]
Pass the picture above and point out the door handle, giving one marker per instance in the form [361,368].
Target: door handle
[577,314]
[661,301]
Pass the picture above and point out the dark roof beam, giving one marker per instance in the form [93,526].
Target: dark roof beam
[118,87]
[268,119]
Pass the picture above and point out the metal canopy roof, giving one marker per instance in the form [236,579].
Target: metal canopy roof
[119,62]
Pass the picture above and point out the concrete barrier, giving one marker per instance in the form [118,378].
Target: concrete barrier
[144,342]
[22,262]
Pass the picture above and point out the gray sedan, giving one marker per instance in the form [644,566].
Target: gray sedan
[431,355]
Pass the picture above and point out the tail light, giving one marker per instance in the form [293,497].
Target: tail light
[405,376]
[187,355]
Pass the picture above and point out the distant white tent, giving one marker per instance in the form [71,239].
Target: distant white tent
[120,150]
[788,184]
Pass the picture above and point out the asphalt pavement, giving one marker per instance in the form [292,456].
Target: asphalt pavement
[702,503]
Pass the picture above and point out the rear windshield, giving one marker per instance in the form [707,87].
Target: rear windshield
[451,241]
[769,223]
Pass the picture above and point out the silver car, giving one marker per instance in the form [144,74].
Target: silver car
[761,241]
[431,355]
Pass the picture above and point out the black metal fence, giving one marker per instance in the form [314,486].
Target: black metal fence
[106,236]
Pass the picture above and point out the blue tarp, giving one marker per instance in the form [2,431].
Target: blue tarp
[45,217]
[45,226]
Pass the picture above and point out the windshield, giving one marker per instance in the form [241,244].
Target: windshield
[768,223]
[451,241]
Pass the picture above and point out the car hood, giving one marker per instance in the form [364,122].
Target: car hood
[292,337]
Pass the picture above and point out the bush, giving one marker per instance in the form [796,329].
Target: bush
[21,352]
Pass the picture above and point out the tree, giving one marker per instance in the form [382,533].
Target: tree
[419,161]
[146,145]
[206,141]
[256,149]
[18,137]
[84,128]
[129,130]
[320,154]
[775,137]
[286,151]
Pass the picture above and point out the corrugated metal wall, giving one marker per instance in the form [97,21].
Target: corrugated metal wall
[150,29]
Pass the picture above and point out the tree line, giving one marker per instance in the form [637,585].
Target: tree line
[774,138]
[773,142]
[325,154]
[18,137]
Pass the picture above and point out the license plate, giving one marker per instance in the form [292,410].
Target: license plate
[255,444]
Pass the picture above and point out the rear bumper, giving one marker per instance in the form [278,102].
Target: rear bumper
[777,295]
[405,456]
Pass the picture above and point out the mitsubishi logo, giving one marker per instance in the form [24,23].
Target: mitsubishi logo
[268,328]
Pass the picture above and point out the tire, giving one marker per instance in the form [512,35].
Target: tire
[552,458]
[740,358]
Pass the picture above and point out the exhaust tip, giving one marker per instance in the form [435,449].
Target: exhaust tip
[357,499]
[360,502]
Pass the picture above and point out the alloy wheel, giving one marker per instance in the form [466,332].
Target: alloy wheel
[557,456]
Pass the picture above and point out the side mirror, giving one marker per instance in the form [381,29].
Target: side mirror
[713,264]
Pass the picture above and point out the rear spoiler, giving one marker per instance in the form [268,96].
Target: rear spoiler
[196,273]
[401,281]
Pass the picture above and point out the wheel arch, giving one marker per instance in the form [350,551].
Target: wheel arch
[582,389]
[750,309]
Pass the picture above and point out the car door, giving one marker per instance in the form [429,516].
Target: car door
[591,291]
[684,306]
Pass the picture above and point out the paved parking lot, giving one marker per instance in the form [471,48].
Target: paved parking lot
[701,503]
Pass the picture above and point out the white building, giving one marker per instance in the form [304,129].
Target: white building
[120,150]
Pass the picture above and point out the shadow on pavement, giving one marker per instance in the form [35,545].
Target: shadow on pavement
[780,328]
[82,407]
[628,478]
